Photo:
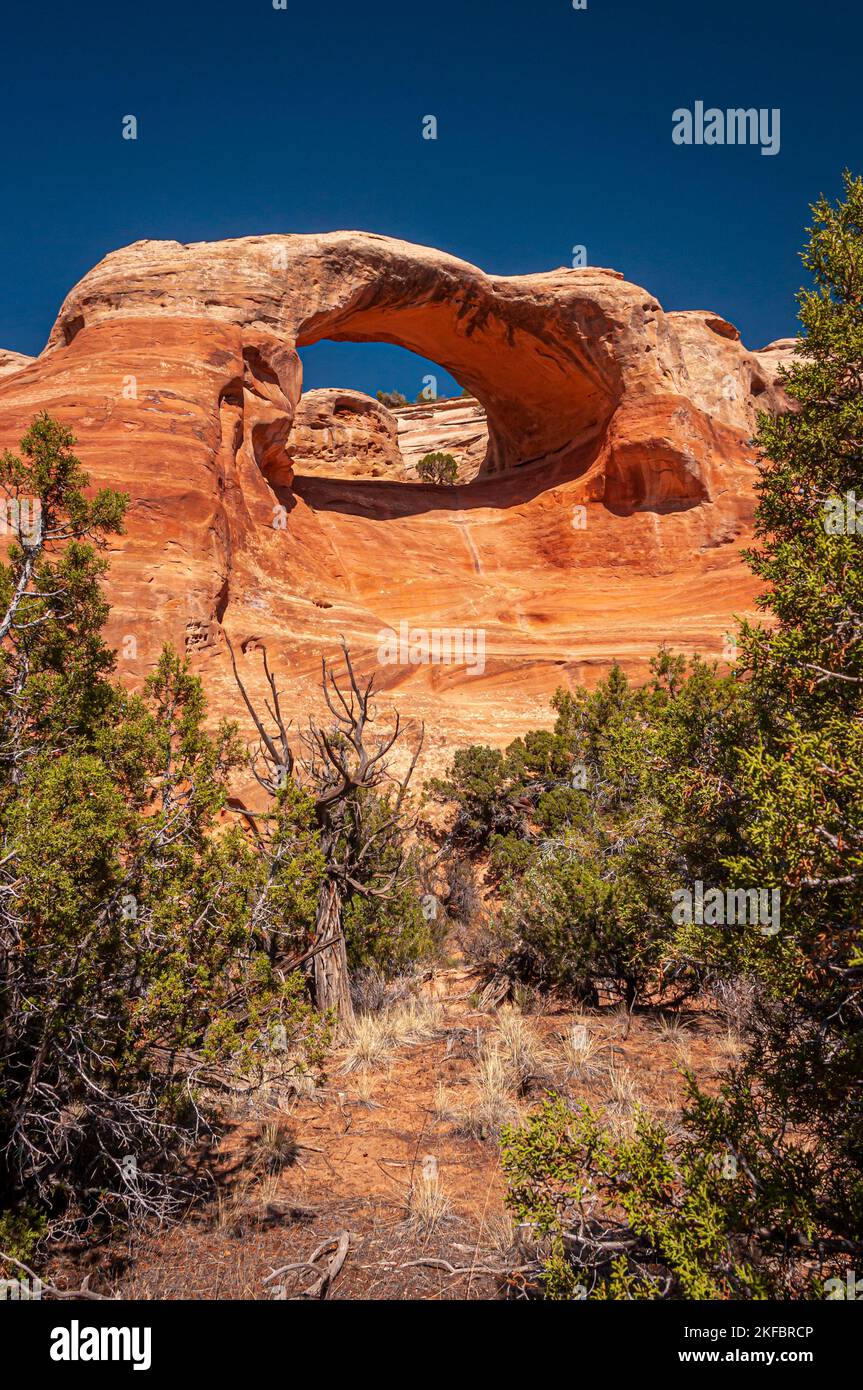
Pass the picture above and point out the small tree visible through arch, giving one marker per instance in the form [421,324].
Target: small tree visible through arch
[437,468]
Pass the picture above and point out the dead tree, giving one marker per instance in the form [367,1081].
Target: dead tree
[342,766]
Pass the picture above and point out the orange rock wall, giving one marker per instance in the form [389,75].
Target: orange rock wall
[606,518]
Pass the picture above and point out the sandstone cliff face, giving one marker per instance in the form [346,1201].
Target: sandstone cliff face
[458,427]
[344,434]
[13,362]
[611,478]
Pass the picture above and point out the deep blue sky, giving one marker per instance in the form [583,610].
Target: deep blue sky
[554,129]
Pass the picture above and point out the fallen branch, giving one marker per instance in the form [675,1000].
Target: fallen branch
[321,1285]
[462,1269]
[85,1292]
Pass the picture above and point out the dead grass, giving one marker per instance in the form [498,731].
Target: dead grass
[493,1102]
[373,1038]
[730,1044]
[527,1060]
[580,1053]
[454,1079]
[364,1090]
[369,1044]
[274,1147]
[428,1205]
[673,1031]
[671,1028]
[623,1100]
[497,1234]
[418,1021]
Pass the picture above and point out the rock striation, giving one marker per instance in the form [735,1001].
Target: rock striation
[13,362]
[458,427]
[608,477]
[344,434]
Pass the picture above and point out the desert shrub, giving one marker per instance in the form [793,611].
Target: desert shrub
[510,857]
[391,933]
[393,400]
[798,782]
[141,947]
[592,915]
[387,929]
[463,900]
[481,785]
[638,1217]
[560,808]
[756,780]
[20,1233]
[437,468]
[598,830]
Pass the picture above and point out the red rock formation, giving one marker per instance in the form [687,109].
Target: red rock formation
[606,519]
[13,362]
[457,427]
[344,434]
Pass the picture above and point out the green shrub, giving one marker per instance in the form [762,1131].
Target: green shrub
[645,1217]
[140,942]
[437,468]
[510,857]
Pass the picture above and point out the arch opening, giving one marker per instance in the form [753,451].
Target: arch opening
[374,411]
[537,407]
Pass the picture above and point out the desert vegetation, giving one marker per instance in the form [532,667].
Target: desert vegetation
[437,467]
[551,965]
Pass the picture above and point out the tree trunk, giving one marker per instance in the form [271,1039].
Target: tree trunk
[332,989]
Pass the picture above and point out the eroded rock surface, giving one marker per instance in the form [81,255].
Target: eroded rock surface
[458,427]
[13,362]
[344,434]
[610,498]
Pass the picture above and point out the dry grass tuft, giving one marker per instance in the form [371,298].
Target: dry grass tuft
[671,1029]
[441,1107]
[494,1099]
[364,1090]
[428,1205]
[621,1020]
[416,1021]
[623,1102]
[736,1001]
[374,1037]
[527,999]
[274,1145]
[731,1045]
[498,1234]
[525,1057]
[369,1044]
[580,1051]
[230,1208]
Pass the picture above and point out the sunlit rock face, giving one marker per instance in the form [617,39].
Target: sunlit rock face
[13,362]
[456,427]
[344,434]
[605,475]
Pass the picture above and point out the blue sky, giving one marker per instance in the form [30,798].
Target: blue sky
[554,130]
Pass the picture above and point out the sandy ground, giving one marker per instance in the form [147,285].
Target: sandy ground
[360,1144]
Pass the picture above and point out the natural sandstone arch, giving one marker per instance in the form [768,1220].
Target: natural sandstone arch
[563,361]
[545,354]
[221,539]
